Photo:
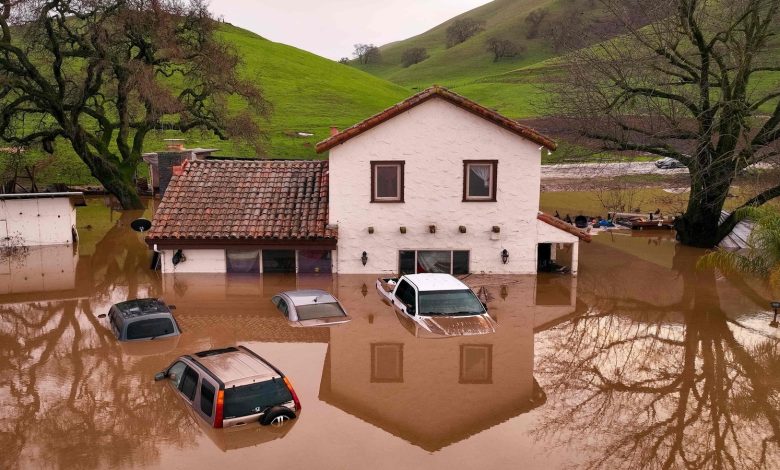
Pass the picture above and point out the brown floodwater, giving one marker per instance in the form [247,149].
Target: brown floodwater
[639,362]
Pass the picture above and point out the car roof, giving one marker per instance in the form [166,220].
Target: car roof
[309,297]
[435,281]
[235,365]
[141,307]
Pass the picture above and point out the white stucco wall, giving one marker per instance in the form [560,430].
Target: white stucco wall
[37,221]
[198,261]
[546,233]
[433,139]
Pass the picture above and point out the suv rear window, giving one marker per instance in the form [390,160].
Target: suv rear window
[254,398]
[149,328]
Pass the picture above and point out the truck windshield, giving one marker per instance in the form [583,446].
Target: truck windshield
[312,311]
[254,398]
[450,302]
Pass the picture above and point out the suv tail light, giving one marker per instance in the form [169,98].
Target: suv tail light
[294,395]
[220,409]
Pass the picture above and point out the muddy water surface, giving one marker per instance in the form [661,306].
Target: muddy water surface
[639,362]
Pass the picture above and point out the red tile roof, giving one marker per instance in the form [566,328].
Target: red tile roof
[246,200]
[559,224]
[423,96]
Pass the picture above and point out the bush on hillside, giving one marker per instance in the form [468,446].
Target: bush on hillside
[367,53]
[534,21]
[461,30]
[413,55]
[503,48]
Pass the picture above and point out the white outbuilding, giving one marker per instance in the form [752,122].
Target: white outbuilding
[33,219]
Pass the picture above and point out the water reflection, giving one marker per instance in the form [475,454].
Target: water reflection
[641,361]
[436,392]
[661,376]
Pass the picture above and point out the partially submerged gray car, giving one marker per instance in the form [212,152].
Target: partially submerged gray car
[142,319]
[310,307]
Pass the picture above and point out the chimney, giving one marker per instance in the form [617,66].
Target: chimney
[174,145]
[334,131]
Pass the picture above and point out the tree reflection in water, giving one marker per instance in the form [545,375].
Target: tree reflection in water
[72,397]
[680,385]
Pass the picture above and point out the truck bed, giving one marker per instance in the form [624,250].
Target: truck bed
[386,286]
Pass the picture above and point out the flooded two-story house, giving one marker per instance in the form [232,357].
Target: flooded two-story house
[436,183]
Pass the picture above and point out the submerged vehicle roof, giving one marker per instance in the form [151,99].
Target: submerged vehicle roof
[140,307]
[309,297]
[235,364]
[436,281]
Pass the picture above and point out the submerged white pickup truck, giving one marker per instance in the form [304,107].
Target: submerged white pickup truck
[439,303]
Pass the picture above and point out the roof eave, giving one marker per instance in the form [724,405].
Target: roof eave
[453,98]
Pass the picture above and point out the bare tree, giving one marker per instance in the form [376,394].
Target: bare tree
[413,55]
[688,86]
[102,75]
[462,30]
[344,60]
[668,382]
[534,21]
[367,53]
[502,48]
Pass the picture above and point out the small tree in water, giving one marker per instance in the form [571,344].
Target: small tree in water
[693,85]
[762,257]
[102,75]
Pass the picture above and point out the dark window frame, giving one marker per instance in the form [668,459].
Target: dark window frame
[398,163]
[398,348]
[494,185]
[463,376]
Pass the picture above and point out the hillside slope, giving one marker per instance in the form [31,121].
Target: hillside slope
[309,93]
[510,85]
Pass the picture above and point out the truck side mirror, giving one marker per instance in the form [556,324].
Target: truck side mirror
[159,376]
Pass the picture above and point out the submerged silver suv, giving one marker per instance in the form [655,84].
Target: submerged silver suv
[232,387]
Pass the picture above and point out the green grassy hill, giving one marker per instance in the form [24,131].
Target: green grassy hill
[511,85]
[309,94]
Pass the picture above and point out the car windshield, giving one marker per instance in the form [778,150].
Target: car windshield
[450,302]
[324,310]
[255,398]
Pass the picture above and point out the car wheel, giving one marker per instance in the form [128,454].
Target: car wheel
[277,416]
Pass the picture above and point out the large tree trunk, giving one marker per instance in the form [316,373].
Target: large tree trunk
[699,225]
[118,183]
[123,189]
[115,178]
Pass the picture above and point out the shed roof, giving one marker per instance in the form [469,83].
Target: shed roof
[246,200]
[445,94]
[561,225]
[76,197]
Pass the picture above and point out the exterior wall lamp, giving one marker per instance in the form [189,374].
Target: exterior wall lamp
[364,258]
[504,256]
[775,305]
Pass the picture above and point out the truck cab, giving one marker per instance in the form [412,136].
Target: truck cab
[440,303]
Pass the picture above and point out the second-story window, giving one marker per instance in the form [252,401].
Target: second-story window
[479,180]
[387,181]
